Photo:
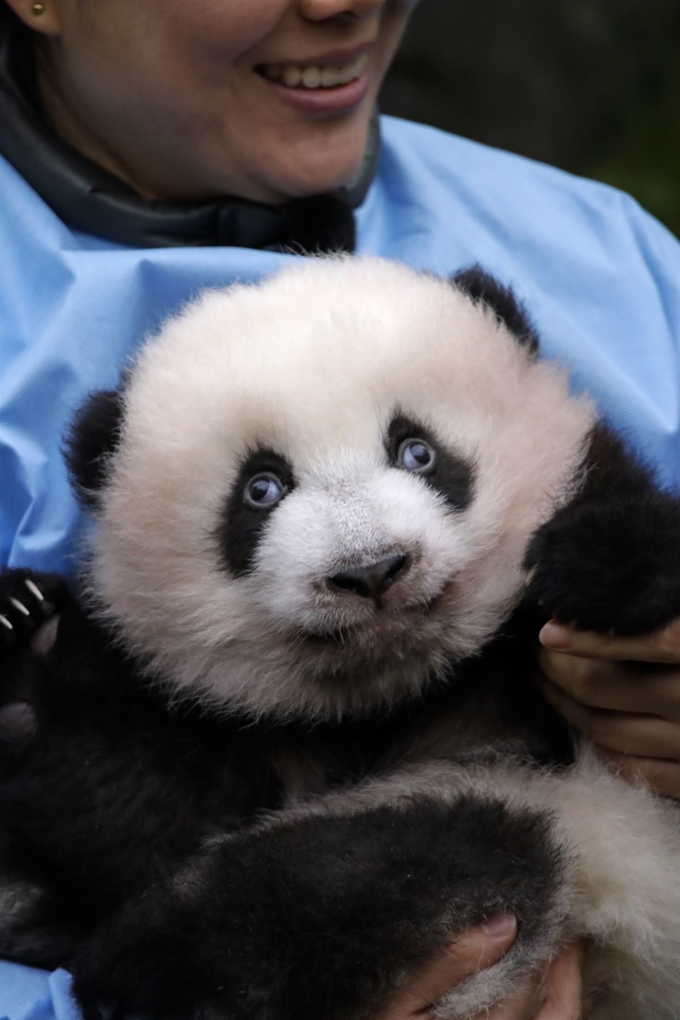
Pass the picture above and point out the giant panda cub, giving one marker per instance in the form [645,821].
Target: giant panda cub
[285,744]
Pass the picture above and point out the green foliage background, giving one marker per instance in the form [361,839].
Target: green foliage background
[592,86]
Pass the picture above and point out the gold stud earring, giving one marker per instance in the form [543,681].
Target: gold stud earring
[37,10]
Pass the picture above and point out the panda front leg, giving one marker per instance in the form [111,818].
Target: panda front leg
[609,560]
[325,910]
[30,607]
[38,926]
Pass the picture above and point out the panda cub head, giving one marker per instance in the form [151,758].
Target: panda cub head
[316,493]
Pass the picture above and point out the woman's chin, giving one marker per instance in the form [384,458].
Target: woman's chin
[322,166]
[316,183]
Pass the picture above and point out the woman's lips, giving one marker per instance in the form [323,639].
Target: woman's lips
[325,87]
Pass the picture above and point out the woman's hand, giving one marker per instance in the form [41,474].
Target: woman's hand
[553,993]
[623,693]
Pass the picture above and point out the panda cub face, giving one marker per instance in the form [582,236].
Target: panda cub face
[324,486]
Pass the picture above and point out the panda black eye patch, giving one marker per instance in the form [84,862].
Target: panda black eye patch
[411,446]
[264,479]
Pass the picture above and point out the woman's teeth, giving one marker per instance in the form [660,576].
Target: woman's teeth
[311,76]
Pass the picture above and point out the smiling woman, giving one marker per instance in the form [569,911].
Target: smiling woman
[268,100]
[153,148]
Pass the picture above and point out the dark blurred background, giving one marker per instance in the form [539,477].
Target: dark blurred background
[592,86]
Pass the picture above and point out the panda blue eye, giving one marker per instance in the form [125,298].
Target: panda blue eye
[416,455]
[263,491]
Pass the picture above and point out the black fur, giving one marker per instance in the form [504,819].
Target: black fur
[452,476]
[323,223]
[481,286]
[93,437]
[610,560]
[243,525]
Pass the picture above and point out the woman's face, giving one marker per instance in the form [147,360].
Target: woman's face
[267,99]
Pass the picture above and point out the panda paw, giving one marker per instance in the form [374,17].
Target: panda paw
[612,567]
[29,606]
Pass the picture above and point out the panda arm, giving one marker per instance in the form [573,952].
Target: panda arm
[38,925]
[609,560]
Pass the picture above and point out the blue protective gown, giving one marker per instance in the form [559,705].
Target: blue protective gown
[600,277]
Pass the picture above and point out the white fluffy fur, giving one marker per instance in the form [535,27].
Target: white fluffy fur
[314,363]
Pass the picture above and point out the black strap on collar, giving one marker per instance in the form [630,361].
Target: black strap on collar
[90,199]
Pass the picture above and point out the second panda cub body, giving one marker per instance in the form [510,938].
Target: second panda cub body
[292,746]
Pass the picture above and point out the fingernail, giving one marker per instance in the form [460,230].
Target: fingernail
[554,635]
[500,926]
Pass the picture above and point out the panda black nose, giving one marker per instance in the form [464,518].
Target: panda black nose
[372,581]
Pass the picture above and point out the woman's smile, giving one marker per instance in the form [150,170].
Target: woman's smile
[332,83]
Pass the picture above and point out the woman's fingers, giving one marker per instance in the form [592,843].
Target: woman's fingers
[475,950]
[646,736]
[553,993]
[564,990]
[599,683]
[661,774]
[523,1005]
[631,711]
[658,646]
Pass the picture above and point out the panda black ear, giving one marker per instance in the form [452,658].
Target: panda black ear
[92,437]
[481,286]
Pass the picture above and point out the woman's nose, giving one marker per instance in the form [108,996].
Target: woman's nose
[324,10]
